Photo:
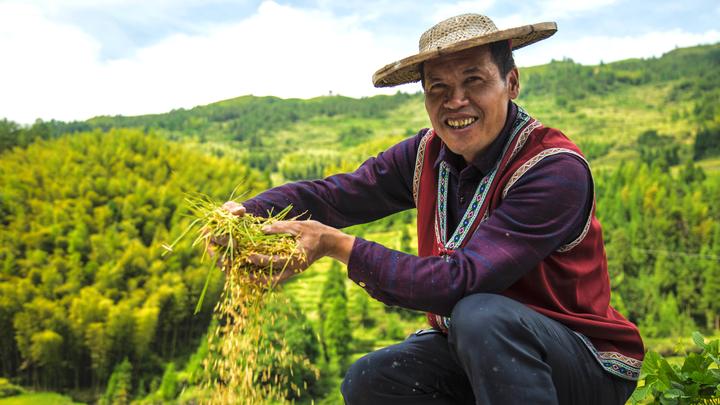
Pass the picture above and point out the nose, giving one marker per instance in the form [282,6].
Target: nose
[455,98]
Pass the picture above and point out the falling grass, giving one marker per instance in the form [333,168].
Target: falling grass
[236,239]
[233,370]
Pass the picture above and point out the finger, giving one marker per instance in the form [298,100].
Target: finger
[220,240]
[211,250]
[289,227]
[260,260]
[273,278]
[221,261]
[275,262]
[234,208]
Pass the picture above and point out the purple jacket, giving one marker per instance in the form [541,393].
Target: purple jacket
[547,208]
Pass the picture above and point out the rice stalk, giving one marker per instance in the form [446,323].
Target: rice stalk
[232,371]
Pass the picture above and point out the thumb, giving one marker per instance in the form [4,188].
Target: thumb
[234,208]
[278,227]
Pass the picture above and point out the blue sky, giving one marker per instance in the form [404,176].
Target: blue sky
[74,59]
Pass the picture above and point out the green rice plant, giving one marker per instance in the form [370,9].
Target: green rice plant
[234,372]
[231,240]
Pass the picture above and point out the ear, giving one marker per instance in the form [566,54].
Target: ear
[513,82]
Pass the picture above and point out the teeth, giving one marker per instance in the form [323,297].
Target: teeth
[460,123]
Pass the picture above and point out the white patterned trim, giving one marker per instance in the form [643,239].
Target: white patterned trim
[440,320]
[614,362]
[583,234]
[615,356]
[529,165]
[523,137]
[419,159]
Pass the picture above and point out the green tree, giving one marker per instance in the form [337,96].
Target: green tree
[335,324]
[119,387]
[169,386]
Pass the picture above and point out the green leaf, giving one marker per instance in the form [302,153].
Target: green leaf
[640,394]
[667,372]
[198,306]
[650,363]
[699,340]
[673,393]
[703,377]
[695,362]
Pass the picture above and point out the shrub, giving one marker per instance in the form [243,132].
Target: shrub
[697,381]
[9,390]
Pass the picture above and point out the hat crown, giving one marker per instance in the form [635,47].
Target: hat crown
[456,29]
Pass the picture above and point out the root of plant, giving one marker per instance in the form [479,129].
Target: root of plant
[237,369]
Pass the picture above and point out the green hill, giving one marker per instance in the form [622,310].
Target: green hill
[84,207]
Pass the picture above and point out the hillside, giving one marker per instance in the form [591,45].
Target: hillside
[84,207]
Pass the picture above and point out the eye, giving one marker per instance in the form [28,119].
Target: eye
[436,87]
[474,80]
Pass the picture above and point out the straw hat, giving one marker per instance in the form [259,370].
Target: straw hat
[456,34]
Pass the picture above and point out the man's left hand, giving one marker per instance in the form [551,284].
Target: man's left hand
[315,241]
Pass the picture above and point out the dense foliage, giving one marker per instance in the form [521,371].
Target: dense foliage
[662,233]
[695,381]
[335,332]
[82,284]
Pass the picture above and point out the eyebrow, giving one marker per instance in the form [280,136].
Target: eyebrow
[472,69]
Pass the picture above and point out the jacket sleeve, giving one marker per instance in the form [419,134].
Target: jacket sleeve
[381,186]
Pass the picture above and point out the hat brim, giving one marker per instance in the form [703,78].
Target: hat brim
[406,70]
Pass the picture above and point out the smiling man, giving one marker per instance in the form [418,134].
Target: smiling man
[511,269]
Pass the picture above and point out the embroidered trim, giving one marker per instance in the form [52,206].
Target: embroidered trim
[440,321]
[461,232]
[529,165]
[583,234]
[614,362]
[524,136]
[532,162]
[419,159]
[443,181]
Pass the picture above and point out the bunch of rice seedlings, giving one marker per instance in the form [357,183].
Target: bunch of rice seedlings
[232,371]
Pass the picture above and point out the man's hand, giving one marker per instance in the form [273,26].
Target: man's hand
[234,208]
[315,241]
[219,243]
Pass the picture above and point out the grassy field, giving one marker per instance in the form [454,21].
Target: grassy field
[39,398]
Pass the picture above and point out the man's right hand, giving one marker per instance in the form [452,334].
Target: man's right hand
[234,208]
[215,243]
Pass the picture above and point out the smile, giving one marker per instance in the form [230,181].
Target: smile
[460,123]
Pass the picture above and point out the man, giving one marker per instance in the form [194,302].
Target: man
[512,269]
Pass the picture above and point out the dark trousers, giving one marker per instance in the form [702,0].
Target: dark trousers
[498,351]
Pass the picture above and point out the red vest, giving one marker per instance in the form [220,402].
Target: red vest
[571,285]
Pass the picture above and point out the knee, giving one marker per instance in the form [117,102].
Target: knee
[481,314]
[357,381]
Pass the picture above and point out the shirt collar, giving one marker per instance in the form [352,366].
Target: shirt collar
[485,161]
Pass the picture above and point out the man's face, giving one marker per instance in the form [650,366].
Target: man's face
[466,99]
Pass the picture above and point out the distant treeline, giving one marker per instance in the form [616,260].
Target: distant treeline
[694,72]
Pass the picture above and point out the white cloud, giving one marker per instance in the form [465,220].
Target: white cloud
[52,69]
[593,49]
[443,11]
[44,64]
[549,10]
[567,7]
[280,50]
